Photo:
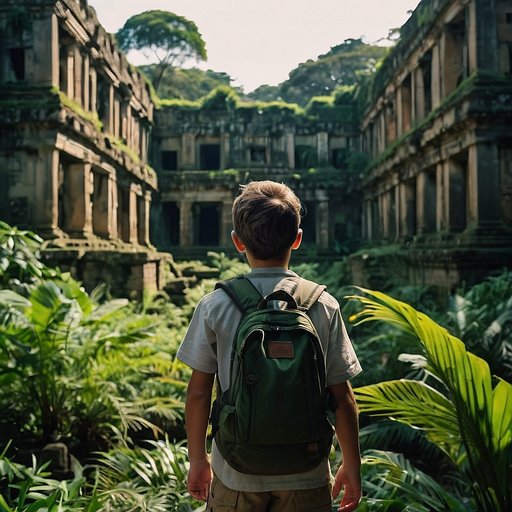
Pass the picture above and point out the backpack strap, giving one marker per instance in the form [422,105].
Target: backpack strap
[242,292]
[306,293]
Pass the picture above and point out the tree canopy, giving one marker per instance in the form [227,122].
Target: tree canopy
[172,39]
[343,65]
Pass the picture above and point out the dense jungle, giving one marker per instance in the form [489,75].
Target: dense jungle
[94,378]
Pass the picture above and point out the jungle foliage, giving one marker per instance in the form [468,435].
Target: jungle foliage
[99,374]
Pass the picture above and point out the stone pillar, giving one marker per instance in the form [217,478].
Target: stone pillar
[113,206]
[134,193]
[482,36]
[47,193]
[322,143]
[454,196]
[188,151]
[368,221]
[144,219]
[77,76]
[78,186]
[290,149]
[46,49]
[70,72]
[484,186]
[224,151]
[185,223]
[421,185]
[86,83]
[109,128]
[323,225]
[436,77]
[399,112]
[441,201]
[93,89]
[419,95]
[225,222]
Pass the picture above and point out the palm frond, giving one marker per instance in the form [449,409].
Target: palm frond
[481,423]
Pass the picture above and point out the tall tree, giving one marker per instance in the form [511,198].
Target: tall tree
[172,39]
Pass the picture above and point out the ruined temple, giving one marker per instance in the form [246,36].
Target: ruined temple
[438,128]
[75,124]
[420,163]
[202,155]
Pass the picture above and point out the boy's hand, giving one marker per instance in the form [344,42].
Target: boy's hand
[199,479]
[351,483]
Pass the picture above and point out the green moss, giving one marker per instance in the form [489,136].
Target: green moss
[77,109]
[121,146]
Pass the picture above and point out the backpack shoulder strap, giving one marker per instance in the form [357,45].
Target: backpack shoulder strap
[242,292]
[306,293]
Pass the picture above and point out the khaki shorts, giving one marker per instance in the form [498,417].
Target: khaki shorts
[223,499]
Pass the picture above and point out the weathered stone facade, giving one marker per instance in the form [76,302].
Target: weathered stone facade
[75,121]
[203,155]
[439,130]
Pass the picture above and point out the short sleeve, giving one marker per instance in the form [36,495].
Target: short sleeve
[198,348]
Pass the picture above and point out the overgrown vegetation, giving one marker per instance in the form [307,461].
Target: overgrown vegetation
[99,375]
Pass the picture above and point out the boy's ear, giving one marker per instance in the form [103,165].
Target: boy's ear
[298,240]
[240,247]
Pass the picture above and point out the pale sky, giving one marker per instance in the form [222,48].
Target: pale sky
[260,41]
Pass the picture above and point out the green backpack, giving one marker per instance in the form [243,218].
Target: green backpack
[277,416]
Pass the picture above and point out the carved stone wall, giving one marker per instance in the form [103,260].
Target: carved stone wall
[75,122]
[438,127]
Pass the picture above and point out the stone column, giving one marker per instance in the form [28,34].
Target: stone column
[482,36]
[113,206]
[436,77]
[368,221]
[419,95]
[47,193]
[484,187]
[225,222]
[440,209]
[185,223]
[143,218]
[77,75]
[399,112]
[70,71]
[188,151]
[78,186]
[322,142]
[453,197]
[45,69]
[93,89]
[109,128]
[290,149]
[224,151]
[86,83]
[421,184]
[104,218]
[323,225]
[134,194]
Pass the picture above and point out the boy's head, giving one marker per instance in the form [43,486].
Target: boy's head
[266,219]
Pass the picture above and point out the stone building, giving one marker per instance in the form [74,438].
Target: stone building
[203,154]
[75,123]
[77,132]
[438,128]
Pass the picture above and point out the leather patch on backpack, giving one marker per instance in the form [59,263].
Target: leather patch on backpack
[280,350]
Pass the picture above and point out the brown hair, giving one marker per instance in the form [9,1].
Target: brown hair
[266,218]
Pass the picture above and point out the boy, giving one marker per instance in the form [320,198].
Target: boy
[266,219]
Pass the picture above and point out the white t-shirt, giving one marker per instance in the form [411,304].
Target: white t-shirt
[207,348]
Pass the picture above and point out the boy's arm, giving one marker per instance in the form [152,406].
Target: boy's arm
[197,412]
[347,432]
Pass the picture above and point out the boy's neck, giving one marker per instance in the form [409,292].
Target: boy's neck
[281,262]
